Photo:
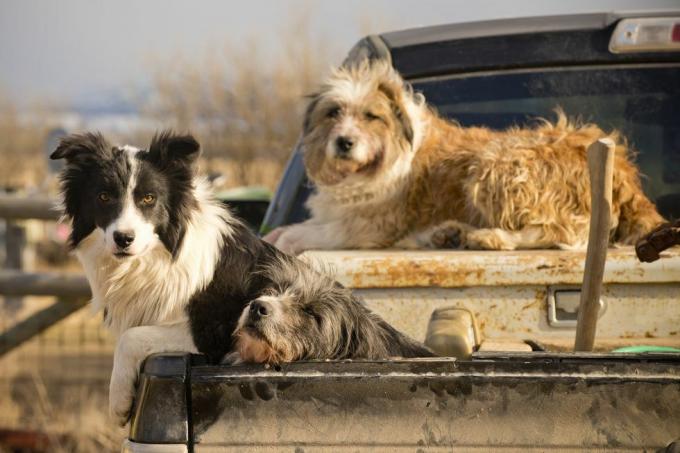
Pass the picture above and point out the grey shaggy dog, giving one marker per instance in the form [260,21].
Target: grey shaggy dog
[307,315]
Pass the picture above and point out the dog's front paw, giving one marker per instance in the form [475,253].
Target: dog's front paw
[120,401]
[126,361]
[274,235]
[489,239]
[233,358]
[292,240]
[449,235]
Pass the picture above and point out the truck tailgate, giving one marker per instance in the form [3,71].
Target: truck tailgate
[520,402]
[513,294]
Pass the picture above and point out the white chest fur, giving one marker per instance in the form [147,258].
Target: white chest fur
[153,288]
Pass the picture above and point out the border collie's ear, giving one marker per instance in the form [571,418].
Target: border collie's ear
[167,147]
[77,146]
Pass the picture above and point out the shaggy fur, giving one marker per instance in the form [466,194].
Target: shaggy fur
[414,179]
[172,269]
[306,315]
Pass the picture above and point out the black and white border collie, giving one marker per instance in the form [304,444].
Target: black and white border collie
[173,270]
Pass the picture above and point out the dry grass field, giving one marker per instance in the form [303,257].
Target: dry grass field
[54,387]
[246,110]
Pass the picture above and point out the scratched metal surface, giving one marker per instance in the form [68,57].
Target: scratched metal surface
[518,405]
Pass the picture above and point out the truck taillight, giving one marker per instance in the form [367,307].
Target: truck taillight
[652,34]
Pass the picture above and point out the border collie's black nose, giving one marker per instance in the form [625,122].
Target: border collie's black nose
[343,144]
[123,239]
[259,309]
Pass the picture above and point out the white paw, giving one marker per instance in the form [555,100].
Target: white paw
[126,362]
[292,240]
[120,401]
[273,235]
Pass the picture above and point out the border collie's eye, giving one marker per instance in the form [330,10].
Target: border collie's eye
[372,116]
[148,199]
[104,197]
[333,113]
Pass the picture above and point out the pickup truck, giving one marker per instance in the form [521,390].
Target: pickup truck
[519,387]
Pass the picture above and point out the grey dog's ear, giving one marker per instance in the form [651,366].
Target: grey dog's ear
[313,101]
[170,148]
[394,90]
[76,147]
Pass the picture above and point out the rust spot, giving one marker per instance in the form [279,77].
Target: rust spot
[457,269]
[405,272]
[648,334]
[675,332]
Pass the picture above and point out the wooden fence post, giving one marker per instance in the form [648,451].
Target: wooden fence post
[15,241]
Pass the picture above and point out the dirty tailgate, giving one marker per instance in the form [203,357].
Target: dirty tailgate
[515,295]
[519,402]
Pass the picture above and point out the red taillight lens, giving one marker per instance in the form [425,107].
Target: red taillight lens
[675,35]
[646,34]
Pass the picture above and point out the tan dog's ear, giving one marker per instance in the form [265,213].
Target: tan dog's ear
[394,90]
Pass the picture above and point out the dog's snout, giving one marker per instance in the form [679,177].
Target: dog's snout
[123,239]
[344,145]
[259,309]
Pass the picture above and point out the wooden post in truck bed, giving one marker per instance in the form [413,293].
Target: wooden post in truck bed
[601,170]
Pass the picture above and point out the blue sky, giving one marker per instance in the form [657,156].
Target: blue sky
[70,50]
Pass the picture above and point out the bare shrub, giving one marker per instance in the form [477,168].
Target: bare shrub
[245,107]
[22,139]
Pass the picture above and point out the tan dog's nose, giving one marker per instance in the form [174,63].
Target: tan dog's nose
[343,145]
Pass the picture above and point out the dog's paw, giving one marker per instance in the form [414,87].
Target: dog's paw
[274,235]
[233,358]
[449,235]
[489,239]
[120,403]
[127,359]
[292,240]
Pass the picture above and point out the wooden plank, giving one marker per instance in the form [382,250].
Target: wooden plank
[38,322]
[601,170]
[15,283]
[15,241]
[15,207]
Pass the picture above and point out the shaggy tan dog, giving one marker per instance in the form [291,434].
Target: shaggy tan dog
[390,172]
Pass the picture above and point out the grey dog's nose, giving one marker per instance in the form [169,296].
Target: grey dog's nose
[123,239]
[259,309]
[343,145]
